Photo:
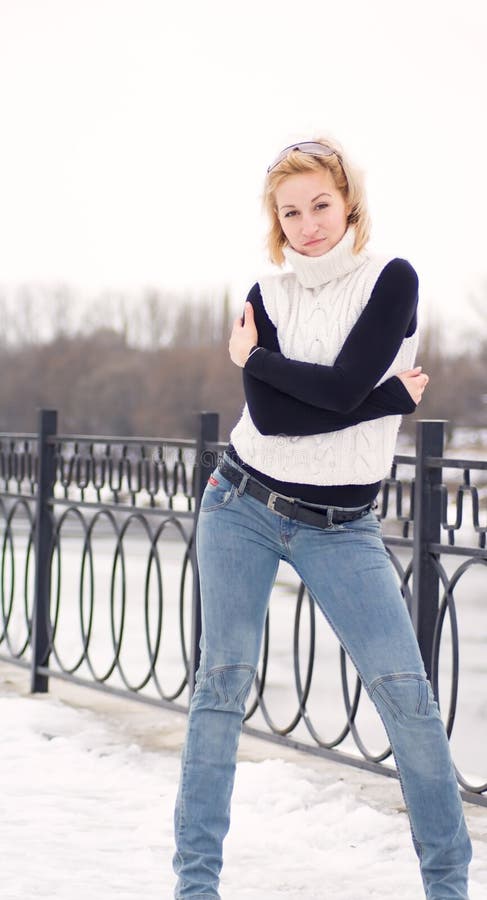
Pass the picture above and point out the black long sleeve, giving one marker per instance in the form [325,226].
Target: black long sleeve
[388,317]
[275,412]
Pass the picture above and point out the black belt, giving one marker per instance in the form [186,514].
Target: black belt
[287,506]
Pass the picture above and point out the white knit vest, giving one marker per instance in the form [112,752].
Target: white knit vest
[314,308]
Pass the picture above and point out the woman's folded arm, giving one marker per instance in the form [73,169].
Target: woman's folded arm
[275,412]
[370,348]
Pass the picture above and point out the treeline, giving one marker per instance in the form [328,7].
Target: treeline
[130,365]
[147,365]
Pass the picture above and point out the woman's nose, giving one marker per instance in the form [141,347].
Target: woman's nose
[308,225]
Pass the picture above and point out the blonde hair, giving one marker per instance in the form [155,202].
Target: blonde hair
[348,179]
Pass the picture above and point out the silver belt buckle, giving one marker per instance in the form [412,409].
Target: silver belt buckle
[271,501]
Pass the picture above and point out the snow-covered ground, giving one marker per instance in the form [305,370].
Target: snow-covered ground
[87,788]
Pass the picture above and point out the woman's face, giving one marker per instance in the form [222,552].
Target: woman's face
[311,211]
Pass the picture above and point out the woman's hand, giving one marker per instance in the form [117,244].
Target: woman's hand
[415,381]
[243,337]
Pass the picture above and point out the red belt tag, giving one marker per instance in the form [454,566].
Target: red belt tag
[213,481]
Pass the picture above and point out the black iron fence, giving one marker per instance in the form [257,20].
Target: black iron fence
[99,585]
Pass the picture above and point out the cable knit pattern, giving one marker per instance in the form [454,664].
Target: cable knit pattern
[314,308]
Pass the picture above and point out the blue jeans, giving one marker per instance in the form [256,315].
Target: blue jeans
[348,572]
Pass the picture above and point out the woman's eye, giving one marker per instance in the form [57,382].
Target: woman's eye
[293,212]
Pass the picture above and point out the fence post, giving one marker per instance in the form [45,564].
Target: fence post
[47,425]
[427,529]
[205,462]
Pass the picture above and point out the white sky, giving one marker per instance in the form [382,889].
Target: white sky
[136,134]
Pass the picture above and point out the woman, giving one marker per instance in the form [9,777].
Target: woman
[326,351]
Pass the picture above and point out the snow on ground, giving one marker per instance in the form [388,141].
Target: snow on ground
[87,798]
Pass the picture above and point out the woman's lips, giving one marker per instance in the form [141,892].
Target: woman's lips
[317,241]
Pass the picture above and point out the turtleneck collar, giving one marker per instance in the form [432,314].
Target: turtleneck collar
[312,271]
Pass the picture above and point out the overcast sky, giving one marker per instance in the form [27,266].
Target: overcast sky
[136,134]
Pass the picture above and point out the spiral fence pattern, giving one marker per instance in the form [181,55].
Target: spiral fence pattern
[99,586]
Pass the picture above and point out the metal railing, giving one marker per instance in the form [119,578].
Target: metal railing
[99,584]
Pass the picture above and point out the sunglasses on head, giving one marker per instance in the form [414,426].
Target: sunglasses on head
[310,147]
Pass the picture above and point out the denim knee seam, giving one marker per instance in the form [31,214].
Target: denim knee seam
[394,676]
[404,707]
[421,707]
[221,671]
